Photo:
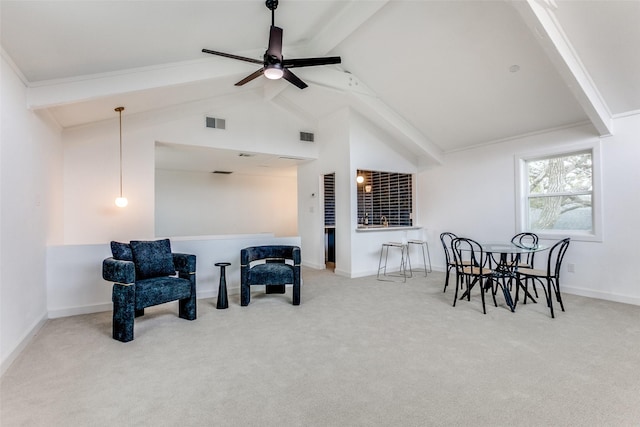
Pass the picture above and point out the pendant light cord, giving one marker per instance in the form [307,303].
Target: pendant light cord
[119,110]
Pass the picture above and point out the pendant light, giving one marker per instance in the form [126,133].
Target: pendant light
[121,201]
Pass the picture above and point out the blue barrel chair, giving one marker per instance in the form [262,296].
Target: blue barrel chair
[143,273]
[272,266]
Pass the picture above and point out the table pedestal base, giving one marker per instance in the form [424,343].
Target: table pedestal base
[223,301]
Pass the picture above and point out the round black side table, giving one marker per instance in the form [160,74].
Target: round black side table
[223,301]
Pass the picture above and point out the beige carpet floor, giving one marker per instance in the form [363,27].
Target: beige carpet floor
[356,352]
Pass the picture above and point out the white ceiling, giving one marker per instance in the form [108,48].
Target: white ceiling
[435,74]
[202,159]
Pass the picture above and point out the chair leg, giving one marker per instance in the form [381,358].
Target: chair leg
[406,262]
[549,299]
[187,308]
[558,296]
[245,295]
[123,297]
[428,257]
[455,296]
[494,289]
[296,294]
[446,278]
[380,262]
[484,307]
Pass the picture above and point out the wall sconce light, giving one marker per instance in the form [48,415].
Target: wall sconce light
[121,201]
[367,189]
[360,179]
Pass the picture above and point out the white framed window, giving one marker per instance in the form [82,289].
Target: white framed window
[558,193]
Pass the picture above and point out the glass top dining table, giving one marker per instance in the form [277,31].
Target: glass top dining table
[511,248]
[505,267]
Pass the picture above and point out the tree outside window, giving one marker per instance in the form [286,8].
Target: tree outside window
[560,192]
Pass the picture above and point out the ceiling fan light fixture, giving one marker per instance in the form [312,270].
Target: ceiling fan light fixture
[274,72]
[274,67]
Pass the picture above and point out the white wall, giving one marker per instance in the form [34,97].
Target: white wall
[202,203]
[349,142]
[91,161]
[473,194]
[372,149]
[30,177]
[333,142]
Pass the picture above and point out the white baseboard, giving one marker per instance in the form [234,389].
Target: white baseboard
[600,295]
[209,294]
[74,311]
[313,265]
[342,273]
[24,341]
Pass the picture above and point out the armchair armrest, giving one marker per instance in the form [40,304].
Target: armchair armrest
[114,270]
[184,263]
[297,257]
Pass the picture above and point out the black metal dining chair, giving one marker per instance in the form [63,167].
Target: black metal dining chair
[551,275]
[446,239]
[524,240]
[470,263]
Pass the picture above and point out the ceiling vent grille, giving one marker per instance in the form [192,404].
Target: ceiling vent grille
[306,136]
[223,172]
[215,123]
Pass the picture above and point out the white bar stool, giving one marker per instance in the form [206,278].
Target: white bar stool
[404,261]
[425,254]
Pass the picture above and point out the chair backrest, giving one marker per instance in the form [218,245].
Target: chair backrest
[446,239]
[270,253]
[556,255]
[526,240]
[468,253]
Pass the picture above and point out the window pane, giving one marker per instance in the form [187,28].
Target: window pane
[384,196]
[567,174]
[560,213]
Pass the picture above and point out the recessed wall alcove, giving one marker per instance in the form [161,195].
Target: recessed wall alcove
[203,191]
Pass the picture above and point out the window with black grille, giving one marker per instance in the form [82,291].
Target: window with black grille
[329,199]
[385,196]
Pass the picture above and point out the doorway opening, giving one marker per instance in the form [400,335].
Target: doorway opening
[329,221]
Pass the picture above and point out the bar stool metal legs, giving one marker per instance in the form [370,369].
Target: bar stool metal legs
[425,253]
[405,261]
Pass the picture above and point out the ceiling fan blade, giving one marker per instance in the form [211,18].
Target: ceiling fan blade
[228,55]
[251,77]
[275,42]
[310,62]
[292,78]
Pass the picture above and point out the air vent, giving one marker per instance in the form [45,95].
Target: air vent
[215,123]
[306,136]
[223,172]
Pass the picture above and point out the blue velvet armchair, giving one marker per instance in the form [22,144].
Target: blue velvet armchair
[272,266]
[143,275]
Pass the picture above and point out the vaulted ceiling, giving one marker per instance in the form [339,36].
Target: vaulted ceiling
[439,76]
